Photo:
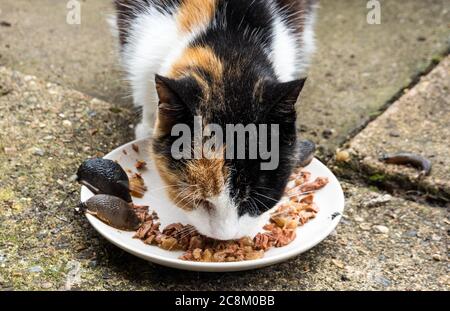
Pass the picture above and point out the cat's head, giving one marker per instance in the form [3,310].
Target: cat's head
[225,198]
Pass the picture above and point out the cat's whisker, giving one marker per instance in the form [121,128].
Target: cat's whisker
[191,196]
[253,205]
[265,196]
[262,203]
[160,188]
[187,234]
[188,196]
[187,229]
[181,192]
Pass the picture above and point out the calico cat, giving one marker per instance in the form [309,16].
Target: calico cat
[231,62]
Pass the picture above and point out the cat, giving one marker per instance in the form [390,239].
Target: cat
[231,62]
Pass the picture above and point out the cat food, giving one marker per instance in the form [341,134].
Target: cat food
[140,165]
[137,186]
[135,148]
[305,187]
[280,231]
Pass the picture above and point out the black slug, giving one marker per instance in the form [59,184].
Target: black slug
[113,211]
[103,176]
[405,158]
[306,149]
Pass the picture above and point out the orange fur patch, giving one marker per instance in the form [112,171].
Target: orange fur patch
[195,13]
[201,179]
[208,174]
[199,57]
[174,189]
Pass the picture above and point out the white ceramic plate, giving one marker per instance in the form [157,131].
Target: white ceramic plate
[329,199]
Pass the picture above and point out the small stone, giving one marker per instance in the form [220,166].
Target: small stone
[394,134]
[53,91]
[35,269]
[382,280]
[42,234]
[327,133]
[338,263]
[10,150]
[73,178]
[411,233]
[67,123]
[47,285]
[377,201]
[365,226]
[42,125]
[38,152]
[359,219]
[381,229]
[342,156]
[436,237]
[437,257]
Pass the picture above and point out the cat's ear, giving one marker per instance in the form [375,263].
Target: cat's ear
[282,96]
[176,100]
[176,94]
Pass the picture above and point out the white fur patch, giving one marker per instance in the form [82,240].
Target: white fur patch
[290,54]
[284,52]
[153,45]
[151,38]
[223,221]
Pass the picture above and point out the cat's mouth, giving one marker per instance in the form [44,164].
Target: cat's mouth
[222,222]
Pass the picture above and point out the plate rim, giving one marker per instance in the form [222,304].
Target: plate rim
[220,266]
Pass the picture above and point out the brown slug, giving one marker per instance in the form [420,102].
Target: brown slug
[113,211]
[405,158]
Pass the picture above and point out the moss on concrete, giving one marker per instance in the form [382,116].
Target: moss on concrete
[417,123]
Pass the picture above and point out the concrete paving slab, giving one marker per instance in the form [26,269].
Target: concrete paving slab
[419,122]
[45,133]
[41,42]
[358,67]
